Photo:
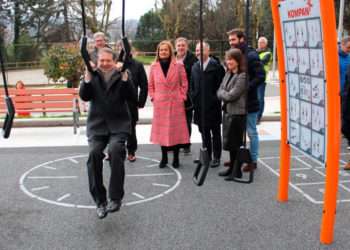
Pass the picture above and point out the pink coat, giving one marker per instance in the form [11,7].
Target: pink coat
[168,95]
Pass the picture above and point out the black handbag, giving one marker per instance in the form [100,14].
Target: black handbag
[188,102]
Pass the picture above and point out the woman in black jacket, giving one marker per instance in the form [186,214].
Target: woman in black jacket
[233,93]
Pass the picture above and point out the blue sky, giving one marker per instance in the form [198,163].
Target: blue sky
[134,8]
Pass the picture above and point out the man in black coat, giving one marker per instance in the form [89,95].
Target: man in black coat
[139,81]
[108,122]
[188,59]
[212,77]
[256,76]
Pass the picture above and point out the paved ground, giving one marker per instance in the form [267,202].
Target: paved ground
[45,203]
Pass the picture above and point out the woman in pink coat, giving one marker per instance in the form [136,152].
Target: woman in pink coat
[167,88]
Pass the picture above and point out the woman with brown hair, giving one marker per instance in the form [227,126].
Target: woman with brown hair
[167,87]
[233,93]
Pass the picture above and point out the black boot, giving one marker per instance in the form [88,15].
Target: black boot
[164,160]
[176,162]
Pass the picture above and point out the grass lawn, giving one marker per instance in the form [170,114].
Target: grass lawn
[147,60]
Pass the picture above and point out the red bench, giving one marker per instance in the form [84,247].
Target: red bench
[44,101]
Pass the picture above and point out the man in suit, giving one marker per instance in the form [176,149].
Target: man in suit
[208,86]
[138,78]
[188,59]
[109,122]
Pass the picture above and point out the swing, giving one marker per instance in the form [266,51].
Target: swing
[83,49]
[10,114]
[203,164]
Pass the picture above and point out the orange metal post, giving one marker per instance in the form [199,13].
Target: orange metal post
[333,120]
[285,148]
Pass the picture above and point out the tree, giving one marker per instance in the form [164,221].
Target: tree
[149,31]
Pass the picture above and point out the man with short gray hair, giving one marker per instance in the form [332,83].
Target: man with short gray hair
[208,86]
[109,122]
[265,56]
[99,43]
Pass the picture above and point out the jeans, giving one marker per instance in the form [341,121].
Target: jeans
[261,97]
[253,135]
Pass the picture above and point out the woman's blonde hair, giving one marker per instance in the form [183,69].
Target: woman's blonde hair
[170,47]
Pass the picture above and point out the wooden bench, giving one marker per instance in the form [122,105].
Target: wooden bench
[44,101]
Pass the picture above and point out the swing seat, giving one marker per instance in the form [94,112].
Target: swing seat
[10,114]
[202,167]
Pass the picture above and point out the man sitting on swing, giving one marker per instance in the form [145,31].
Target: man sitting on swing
[109,122]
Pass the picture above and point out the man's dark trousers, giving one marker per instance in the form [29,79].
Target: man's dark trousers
[116,151]
[213,140]
[189,118]
[132,140]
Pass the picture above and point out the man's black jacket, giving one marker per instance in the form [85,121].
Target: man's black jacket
[139,80]
[108,110]
[256,74]
[212,78]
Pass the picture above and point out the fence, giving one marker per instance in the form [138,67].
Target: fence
[29,56]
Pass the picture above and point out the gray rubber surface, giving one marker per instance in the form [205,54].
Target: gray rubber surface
[218,215]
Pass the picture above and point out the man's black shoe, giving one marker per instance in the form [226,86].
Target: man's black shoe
[101,211]
[187,150]
[215,163]
[114,206]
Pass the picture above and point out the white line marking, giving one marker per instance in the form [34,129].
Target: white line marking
[304,162]
[148,175]
[138,195]
[52,177]
[73,160]
[344,187]
[63,197]
[62,204]
[160,185]
[290,184]
[52,168]
[318,183]
[151,166]
[299,169]
[303,176]
[40,188]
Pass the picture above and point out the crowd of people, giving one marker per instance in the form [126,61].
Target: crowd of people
[233,93]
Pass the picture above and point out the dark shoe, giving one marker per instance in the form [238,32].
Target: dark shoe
[114,206]
[176,163]
[162,164]
[249,167]
[225,172]
[187,150]
[101,211]
[215,163]
[131,157]
[227,163]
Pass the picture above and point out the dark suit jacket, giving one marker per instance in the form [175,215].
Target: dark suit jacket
[108,110]
[213,75]
[139,81]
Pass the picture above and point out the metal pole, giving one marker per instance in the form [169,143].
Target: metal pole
[341,20]
[202,86]
[247,21]
[123,19]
